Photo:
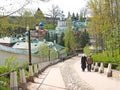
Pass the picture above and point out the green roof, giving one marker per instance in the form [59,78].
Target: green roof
[59,47]
[80,24]
[52,31]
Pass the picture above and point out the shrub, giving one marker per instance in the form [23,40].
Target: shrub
[86,50]
[118,68]
[11,63]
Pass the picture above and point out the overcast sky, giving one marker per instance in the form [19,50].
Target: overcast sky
[64,5]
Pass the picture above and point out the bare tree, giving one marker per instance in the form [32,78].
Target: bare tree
[54,13]
[12,4]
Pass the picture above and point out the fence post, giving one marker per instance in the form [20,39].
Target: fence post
[101,69]
[30,70]
[35,70]
[23,79]
[31,73]
[13,81]
[96,67]
[39,68]
[92,67]
[109,71]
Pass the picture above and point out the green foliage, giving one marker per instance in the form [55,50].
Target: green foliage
[84,39]
[49,26]
[4,83]
[27,19]
[25,67]
[43,51]
[62,39]
[39,16]
[69,38]
[11,63]
[4,69]
[103,57]
[53,54]
[47,36]
[4,80]
[118,68]
[3,88]
[104,24]
[3,26]
[86,50]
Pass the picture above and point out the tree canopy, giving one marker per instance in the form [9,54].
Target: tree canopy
[69,38]
[104,25]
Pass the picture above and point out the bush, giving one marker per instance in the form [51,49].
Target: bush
[26,69]
[86,50]
[105,58]
[118,68]
[102,57]
[11,63]
[4,69]
[4,80]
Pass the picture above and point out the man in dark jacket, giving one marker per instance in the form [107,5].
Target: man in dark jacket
[83,62]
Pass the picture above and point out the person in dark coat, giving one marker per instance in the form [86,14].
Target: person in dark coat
[83,62]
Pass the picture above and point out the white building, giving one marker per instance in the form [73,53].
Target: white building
[61,25]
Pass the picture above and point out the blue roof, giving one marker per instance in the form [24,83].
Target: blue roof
[41,24]
[80,24]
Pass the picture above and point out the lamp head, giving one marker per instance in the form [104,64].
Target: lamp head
[27,28]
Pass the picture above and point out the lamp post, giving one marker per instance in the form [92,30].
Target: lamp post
[29,45]
[58,54]
[49,54]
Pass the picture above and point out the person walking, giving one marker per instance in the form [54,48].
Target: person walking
[89,63]
[83,62]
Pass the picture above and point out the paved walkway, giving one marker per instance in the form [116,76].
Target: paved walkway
[96,80]
[51,79]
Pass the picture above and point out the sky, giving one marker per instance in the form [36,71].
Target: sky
[65,5]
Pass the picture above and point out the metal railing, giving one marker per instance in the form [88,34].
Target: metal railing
[12,79]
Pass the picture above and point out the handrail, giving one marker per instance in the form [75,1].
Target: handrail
[41,68]
[4,74]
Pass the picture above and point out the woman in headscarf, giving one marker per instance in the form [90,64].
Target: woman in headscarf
[83,62]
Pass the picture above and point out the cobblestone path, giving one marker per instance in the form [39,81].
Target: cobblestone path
[71,78]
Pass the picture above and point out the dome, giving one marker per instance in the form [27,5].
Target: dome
[41,24]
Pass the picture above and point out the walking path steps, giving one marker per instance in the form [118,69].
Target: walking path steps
[68,75]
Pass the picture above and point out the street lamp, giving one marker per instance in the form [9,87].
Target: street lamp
[29,44]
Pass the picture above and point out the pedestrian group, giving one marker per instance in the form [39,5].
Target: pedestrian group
[86,62]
